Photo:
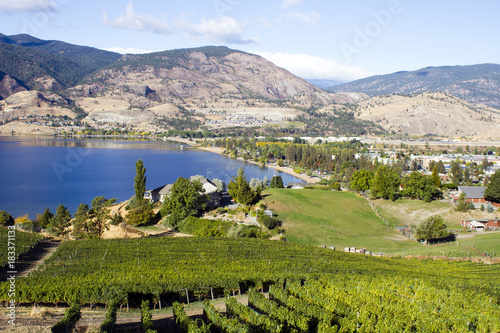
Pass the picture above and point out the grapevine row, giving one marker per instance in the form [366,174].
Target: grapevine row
[257,321]
[222,323]
[186,324]
[279,313]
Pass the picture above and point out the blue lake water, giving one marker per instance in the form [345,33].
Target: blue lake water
[36,173]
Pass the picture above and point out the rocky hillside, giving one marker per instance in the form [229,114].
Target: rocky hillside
[9,86]
[477,84]
[431,113]
[205,77]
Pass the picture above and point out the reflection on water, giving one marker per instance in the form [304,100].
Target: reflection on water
[92,143]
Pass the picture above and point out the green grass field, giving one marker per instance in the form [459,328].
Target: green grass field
[343,219]
[340,219]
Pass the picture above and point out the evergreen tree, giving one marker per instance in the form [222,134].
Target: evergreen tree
[456,172]
[435,176]
[492,192]
[139,180]
[462,205]
[80,227]
[98,215]
[441,167]
[60,221]
[6,219]
[276,182]
[44,219]
[239,189]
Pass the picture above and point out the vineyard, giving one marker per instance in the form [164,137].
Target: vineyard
[363,304]
[97,271]
[22,242]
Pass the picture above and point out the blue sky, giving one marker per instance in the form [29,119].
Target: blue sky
[322,39]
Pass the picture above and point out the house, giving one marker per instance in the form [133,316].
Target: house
[482,224]
[473,194]
[215,197]
[159,193]
[296,186]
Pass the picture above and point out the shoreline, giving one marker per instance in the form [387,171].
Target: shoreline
[218,150]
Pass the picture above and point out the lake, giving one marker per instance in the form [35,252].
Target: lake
[40,172]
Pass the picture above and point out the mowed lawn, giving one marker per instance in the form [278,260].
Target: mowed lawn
[339,219]
[343,219]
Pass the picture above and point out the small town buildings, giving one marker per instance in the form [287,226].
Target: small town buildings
[482,224]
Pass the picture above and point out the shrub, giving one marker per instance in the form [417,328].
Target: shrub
[269,222]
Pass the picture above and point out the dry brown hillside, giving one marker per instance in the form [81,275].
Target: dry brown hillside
[431,113]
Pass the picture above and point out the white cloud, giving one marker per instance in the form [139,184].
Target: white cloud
[310,18]
[222,29]
[289,3]
[27,5]
[129,50]
[312,67]
[136,21]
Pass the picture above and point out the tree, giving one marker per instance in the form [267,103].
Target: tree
[276,182]
[441,167]
[60,221]
[239,189]
[422,187]
[221,186]
[385,183]
[492,192]
[80,227]
[98,215]
[141,214]
[489,208]
[462,205]
[361,180]
[6,219]
[435,176]
[485,164]
[139,180]
[432,229]
[186,199]
[456,172]
[44,219]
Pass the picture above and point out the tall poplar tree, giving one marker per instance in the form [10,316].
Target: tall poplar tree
[139,180]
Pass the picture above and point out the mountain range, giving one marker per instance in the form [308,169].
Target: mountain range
[216,87]
[478,84]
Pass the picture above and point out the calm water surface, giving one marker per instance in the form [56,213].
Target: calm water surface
[36,173]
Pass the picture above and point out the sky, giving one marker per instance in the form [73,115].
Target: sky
[340,40]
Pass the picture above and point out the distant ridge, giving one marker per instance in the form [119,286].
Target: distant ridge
[478,84]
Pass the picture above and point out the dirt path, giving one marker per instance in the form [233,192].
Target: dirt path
[34,258]
[42,252]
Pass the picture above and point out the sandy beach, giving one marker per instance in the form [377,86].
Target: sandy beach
[218,150]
